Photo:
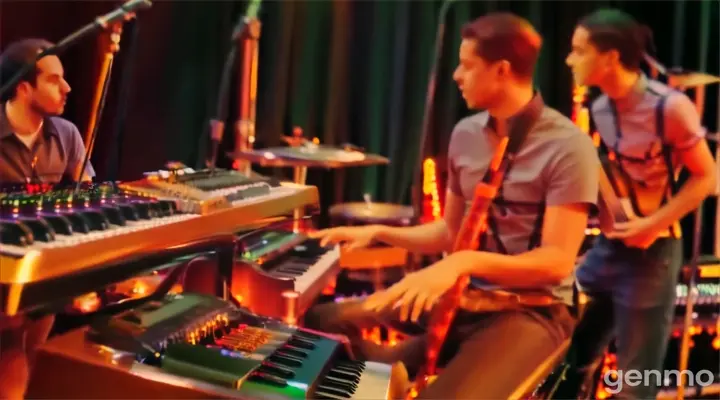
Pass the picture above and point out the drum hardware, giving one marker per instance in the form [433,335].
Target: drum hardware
[681,79]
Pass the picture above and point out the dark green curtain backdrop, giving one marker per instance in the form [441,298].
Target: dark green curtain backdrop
[344,71]
[357,71]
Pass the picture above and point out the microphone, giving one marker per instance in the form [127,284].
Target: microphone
[252,12]
[123,12]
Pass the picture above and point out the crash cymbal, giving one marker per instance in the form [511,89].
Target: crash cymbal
[679,77]
[310,155]
[688,79]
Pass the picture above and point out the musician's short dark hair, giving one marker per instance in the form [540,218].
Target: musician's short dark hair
[506,36]
[15,57]
[612,29]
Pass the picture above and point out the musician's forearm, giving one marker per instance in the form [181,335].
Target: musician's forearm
[692,194]
[542,266]
[427,238]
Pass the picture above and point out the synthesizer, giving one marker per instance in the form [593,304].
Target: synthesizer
[707,296]
[65,218]
[196,346]
[706,293]
[54,234]
[280,273]
[204,191]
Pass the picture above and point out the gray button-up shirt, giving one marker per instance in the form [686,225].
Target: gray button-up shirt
[55,155]
[557,164]
[630,127]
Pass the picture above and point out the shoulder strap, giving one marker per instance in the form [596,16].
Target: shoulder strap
[520,129]
[517,134]
[666,148]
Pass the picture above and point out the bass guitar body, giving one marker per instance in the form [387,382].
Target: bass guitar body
[622,201]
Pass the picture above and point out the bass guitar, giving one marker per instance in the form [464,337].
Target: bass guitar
[621,201]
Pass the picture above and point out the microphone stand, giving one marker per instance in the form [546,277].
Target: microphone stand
[717,187]
[114,20]
[98,104]
[245,38]
[689,304]
[217,124]
[717,197]
[249,41]
[417,193]
[113,161]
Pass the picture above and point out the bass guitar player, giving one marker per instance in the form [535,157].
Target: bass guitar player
[651,132]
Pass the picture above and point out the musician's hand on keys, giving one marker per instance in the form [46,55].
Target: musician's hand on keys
[640,232]
[353,237]
[418,291]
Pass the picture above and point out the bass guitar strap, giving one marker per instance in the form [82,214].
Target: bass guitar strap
[518,130]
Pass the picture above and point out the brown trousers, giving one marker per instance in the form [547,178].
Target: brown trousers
[486,355]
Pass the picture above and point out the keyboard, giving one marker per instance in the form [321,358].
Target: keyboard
[58,235]
[191,345]
[281,273]
[64,219]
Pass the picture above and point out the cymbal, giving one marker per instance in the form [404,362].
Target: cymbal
[313,156]
[680,77]
[372,212]
[688,79]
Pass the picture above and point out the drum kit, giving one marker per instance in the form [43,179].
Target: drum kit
[302,153]
[376,264]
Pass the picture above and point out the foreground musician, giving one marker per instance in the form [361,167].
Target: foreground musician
[36,145]
[541,219]
[631,272]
